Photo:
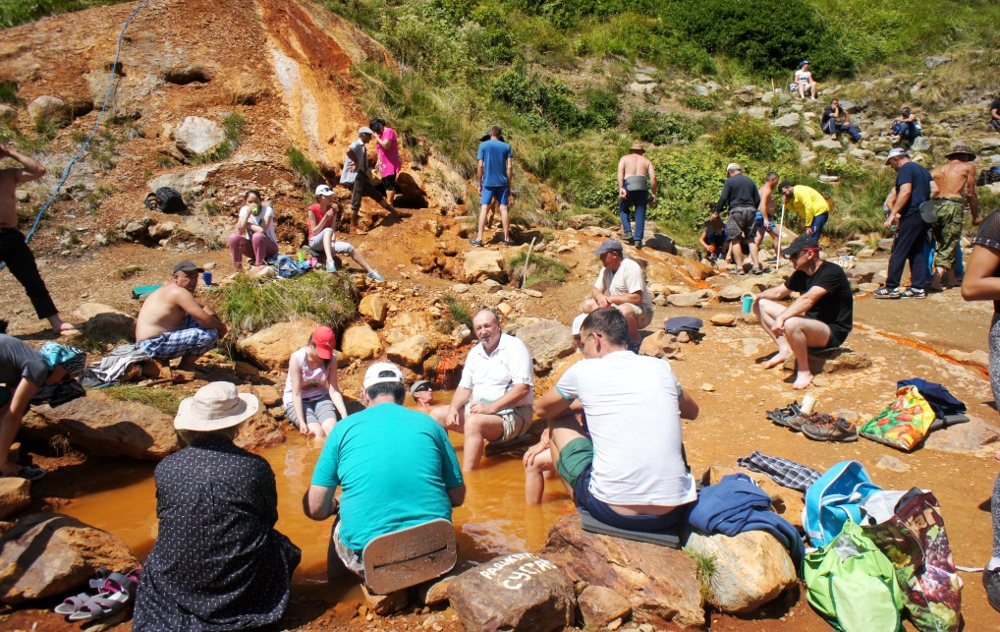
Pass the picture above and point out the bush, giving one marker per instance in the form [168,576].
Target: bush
[459,312]
[300,164]
[540,270]
[15,12]
[164,400]
[662,129]
[748,138]
[698,102]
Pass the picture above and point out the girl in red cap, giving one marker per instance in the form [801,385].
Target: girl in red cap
[312,395]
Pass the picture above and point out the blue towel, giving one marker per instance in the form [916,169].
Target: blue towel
[734,505]
[940,399]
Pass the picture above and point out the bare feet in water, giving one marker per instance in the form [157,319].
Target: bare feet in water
[776,359]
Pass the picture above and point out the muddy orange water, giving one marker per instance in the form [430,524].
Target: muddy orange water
[493,520]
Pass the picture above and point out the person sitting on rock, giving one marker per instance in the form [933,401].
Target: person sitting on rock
[217,563]
[621,284]
[804,80]
[831,126]
[312,396]
[395,467]
[821,317]
[713,237]
[740,194]
[809,203]
[493,398]
[905,127]
[172,324]
[23,371]
[357,176]
[254,236]
[995,114]
[631,473]
[322,219]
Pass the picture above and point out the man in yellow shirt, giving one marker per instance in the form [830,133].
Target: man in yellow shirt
[809,204]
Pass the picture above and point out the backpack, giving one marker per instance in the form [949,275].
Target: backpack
[834,499]
[904,424]
[170,201]
[852,584]
[289,268]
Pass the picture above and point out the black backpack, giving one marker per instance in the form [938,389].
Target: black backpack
[167,200]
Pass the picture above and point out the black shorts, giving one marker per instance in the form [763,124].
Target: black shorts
[389,182]
[741,224]
[837,336]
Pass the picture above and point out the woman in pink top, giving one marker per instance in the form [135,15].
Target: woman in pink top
[389,162]
[312,396]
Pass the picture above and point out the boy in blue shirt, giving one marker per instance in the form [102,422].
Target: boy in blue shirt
[495,171]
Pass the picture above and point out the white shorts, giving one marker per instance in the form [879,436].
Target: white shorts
[339,247]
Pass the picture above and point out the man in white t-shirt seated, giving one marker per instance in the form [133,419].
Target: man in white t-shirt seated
[621,284]
[631,473]
[493,398]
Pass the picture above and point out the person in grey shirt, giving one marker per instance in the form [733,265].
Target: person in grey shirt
[741,196]
[357,176]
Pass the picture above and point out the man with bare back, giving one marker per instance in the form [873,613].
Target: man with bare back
[172,324]
[954,186]
[636,189]
[13,250]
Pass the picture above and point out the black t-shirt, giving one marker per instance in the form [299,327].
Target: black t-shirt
[836,307]
[920,191]
[18,360]
[738,192]
[989,237]
[995,106]
[827,114]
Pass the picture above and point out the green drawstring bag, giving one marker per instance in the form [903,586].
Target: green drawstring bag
[852,584]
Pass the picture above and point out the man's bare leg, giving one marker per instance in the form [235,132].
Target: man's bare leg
[802,333]
[738,253]
[766,311]
[188,363]
[505,221]
[8,432]
[633,324]
[478,429]
[482,221]
[588,306]
[535,475]
[754,257]
[561,432]
[61,327]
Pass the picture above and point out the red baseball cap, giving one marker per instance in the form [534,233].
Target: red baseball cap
[324,339]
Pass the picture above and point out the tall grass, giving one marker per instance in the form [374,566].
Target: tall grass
[164,400]
[15,12]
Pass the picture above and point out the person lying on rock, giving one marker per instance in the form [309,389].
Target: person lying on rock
[322,219]
[24,370]
[312,396]
[493,398]
[218,563]
[395,467]
[172,324]
[254,236]
[821,317]
[621,284]
[357,176]
[631,472]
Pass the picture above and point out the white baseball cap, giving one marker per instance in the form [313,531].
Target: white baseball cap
[578,324]
[374,374]
[323,190]
[365,130]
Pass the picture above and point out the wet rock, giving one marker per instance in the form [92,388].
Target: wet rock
[660,583]
[521,591]
[360,342]
[892,464]
[197,135]
[751,569]
[48,554]
[48,108]
[732,293]
[270,348]
[484,264]
[833,361]
[723,320]
[582,221]
[374,309]
[106,428]
[260,431]
[411,352]
[787,121]
[547,341]
[600,606]
[104,319]
[970,438]
[687,299]
[15,495]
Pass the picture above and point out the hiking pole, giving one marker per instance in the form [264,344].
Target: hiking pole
[527,260]
[781,231]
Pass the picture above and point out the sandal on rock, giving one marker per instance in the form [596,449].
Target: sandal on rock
[32,473]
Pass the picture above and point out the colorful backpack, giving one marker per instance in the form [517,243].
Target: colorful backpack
[834,499]
[904,424]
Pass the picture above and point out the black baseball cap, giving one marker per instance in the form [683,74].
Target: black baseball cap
[187,266]
[801,243]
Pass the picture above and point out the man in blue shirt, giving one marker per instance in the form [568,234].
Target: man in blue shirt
[495,172]
[395,467]
[913,188]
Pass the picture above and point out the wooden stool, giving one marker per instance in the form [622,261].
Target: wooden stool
[405,558]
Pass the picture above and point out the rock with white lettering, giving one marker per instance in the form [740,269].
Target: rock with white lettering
[520,591]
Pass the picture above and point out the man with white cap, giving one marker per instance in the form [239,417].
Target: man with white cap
[218,563]
[395,467]
[913,188]
[741,195]
[621,284]
[322,221]
[357,176]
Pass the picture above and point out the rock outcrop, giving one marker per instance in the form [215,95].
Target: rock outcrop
[481,264]
[270,348]
[547,341]
[15,495]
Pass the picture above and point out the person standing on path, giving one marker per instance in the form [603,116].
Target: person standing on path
[913,188]
[764,218]
[14,249]
[954,186]
[357,176]
[389,163]
[636,189]
[982,283]
[741,196]
[494,175]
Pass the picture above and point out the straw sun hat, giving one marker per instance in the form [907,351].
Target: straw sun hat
[215,406]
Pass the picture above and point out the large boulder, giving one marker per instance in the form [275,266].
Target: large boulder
[197,135]
[749,570]
[360,342]
[101,319]
[600,606]
[187,183]
[270,348]
[660,583]
[520,591]
[373,308]
[840,359]
[547,341]
[481,264]
[789,120]
[410,352]
[15,495]
[48,554]
[47,108]
[106,428]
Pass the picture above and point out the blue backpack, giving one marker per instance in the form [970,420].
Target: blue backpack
[834,499]
[289,268]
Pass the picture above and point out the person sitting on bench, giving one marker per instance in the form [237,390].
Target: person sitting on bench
[395,466]
[821,317]
[322,219]
[631,472]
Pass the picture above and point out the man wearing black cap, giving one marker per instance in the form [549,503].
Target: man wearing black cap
[820,317]
[621,284]
[172,324]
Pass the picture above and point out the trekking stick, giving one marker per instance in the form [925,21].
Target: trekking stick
[527,260]
[781,231]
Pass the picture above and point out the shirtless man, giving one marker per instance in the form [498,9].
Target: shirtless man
[13,250]
[952,181]
[172,324]
[765,213]
[636,188]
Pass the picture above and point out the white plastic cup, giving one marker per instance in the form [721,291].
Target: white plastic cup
[808,404]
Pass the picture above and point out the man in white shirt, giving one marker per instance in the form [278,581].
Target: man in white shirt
[631,473]
[621,284]
[493,399]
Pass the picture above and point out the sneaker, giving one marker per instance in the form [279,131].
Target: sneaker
[331,266]
[912,292]
[833,430]
[991,582]
[375,276]
[476,242]
[509,243]
[637,244]
[627,236]
[884,292]
[756,271]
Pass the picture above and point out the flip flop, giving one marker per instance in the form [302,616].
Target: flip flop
[32,473]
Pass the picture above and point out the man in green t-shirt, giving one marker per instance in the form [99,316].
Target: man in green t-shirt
[395,467]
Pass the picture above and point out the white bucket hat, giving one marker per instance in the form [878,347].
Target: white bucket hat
[215,406]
